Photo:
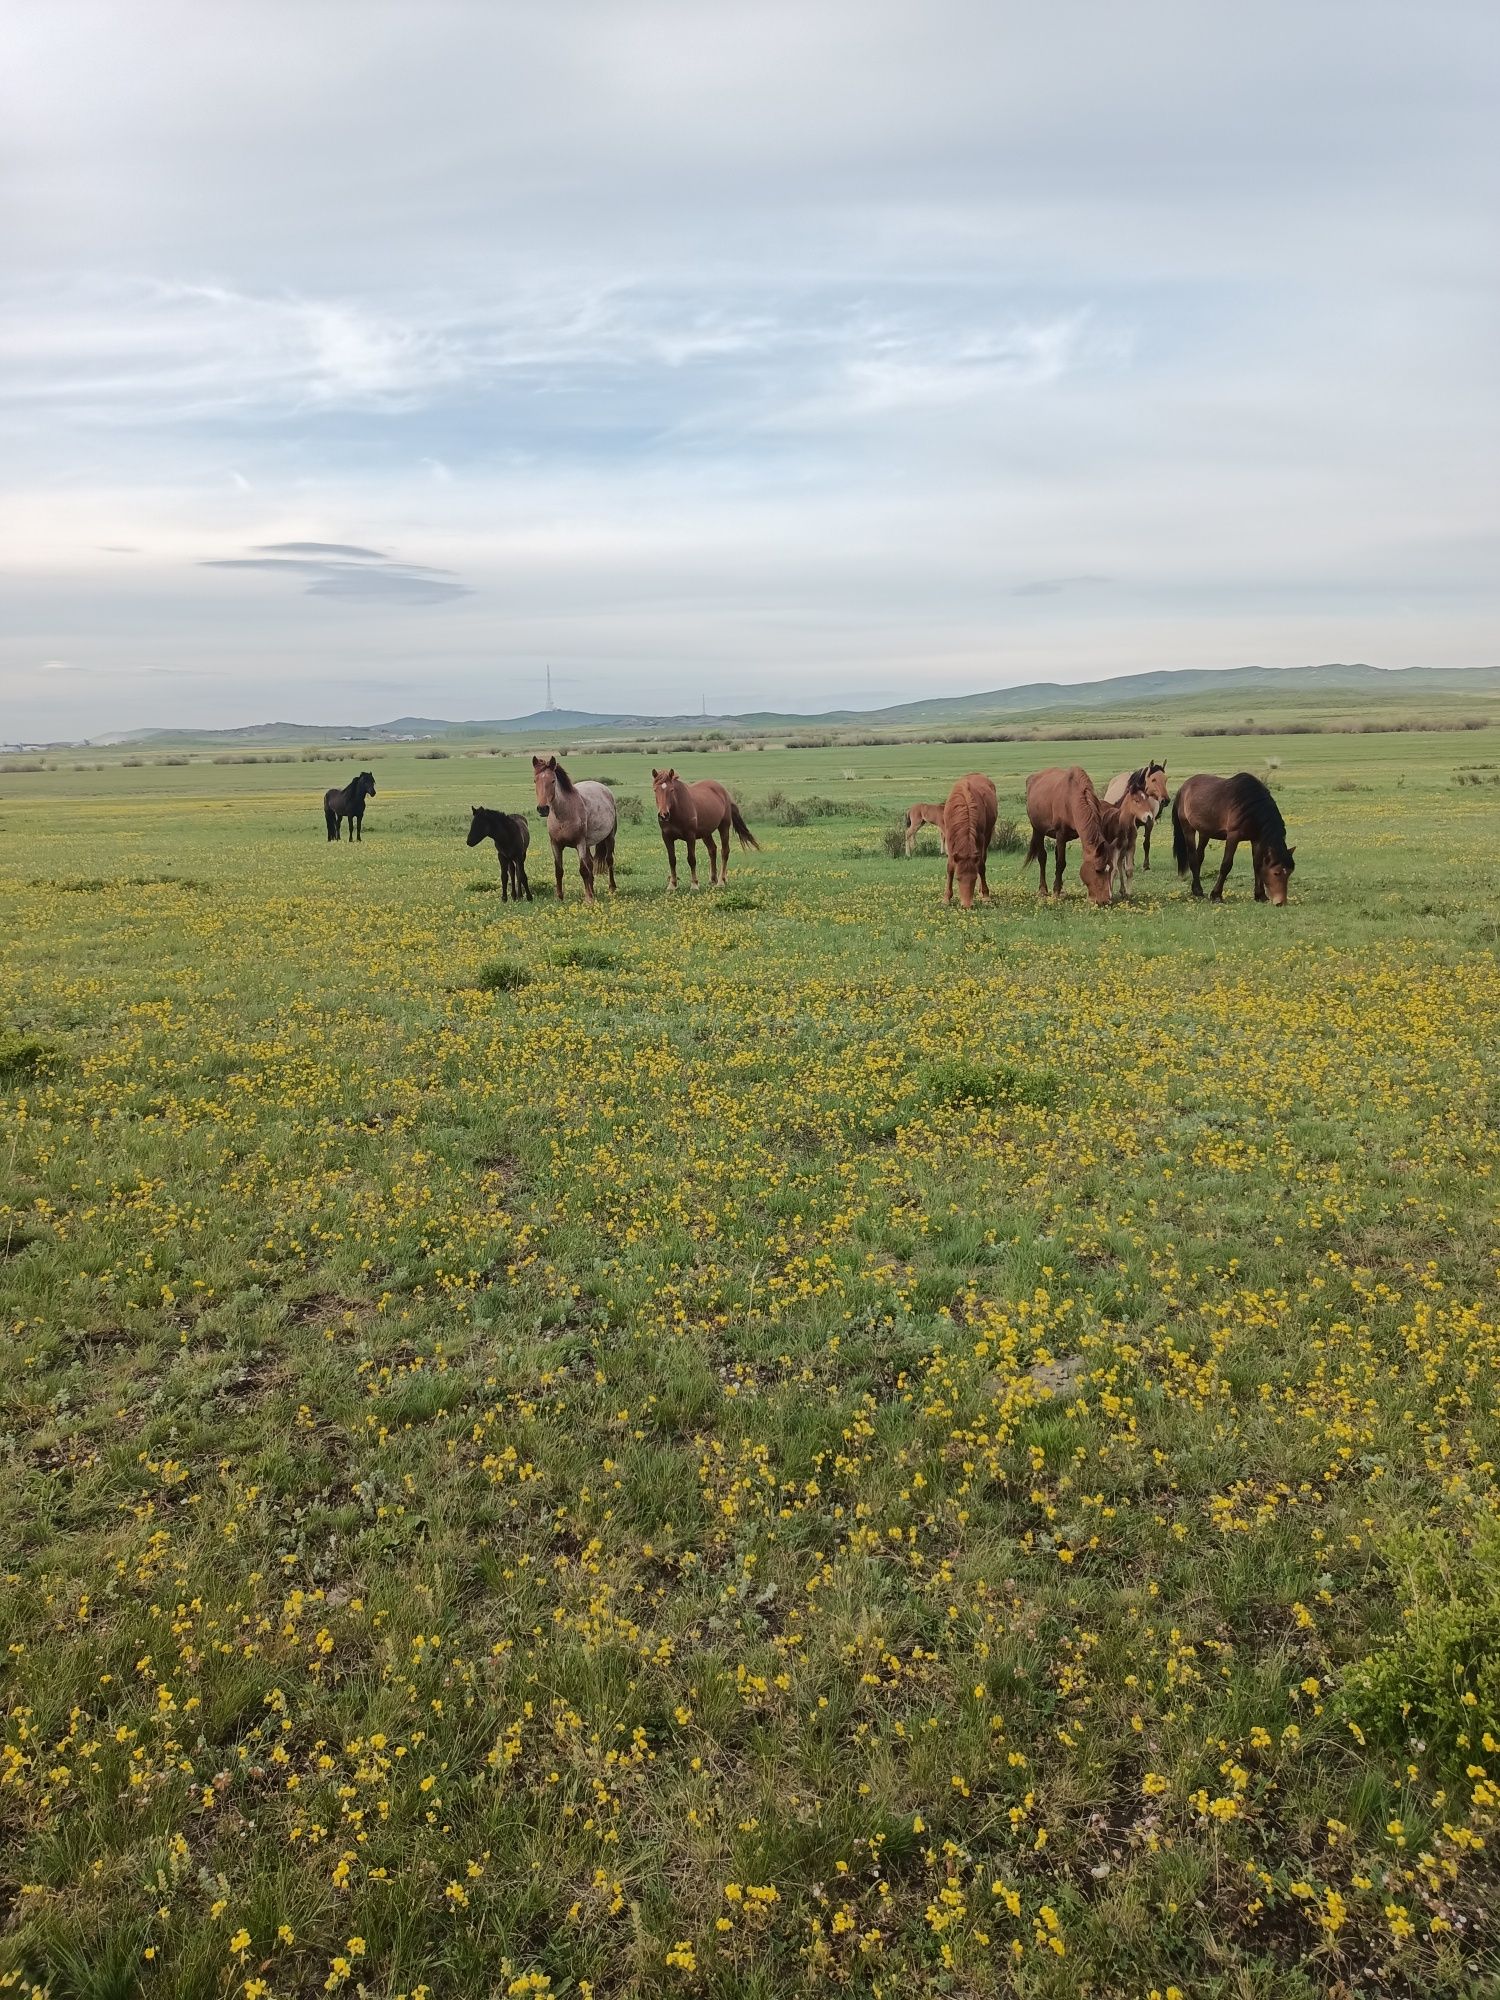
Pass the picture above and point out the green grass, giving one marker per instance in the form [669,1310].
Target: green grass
[743,1443]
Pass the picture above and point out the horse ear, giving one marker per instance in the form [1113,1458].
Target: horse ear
[536,763]
[551,763]
[655,775]
[671,772]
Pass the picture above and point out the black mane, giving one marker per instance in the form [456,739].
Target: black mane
[1254,801]
[564,782]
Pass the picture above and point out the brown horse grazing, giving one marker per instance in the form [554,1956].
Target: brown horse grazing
[919,816]
[1152,779]
[1063,806]
[1231,810]
[693,813]
[968,828]
[512,837]
[348,804]
[581,816]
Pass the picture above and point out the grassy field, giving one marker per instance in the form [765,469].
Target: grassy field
[751,1443]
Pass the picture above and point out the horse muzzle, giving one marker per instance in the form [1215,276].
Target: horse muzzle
[541,812]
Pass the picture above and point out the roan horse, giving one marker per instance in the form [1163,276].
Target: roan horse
[1154,777]
[1062,805]
[512,837]
[581,816]
[1231,810]
[693,813]
[348,804]
[919,816]
[968,828]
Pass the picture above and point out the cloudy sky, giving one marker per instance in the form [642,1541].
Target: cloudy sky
[364,359]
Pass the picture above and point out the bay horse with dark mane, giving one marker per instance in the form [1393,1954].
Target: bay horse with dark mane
[1062,805]
[1154,777]
[581,816]
[1231,809]
[924,815]
[348,804]
[968,828]
[693,813]
[512,837]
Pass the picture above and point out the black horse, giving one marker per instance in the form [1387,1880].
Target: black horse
[512,837]
[349,804]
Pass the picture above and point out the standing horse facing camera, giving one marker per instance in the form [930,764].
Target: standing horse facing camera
[582,816]
[919,816]
[1154,778]
[348,804]
[512,837]
[693,813]
[1231,809]
[968,827]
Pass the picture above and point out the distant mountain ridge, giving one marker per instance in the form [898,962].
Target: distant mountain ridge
[1032,697]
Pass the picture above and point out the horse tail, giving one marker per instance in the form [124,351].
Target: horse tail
[737,821]
[1179,837]
[1038,848]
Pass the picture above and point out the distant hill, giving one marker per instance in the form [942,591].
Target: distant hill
[1034,697]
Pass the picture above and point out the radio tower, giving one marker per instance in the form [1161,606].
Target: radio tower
[551,704]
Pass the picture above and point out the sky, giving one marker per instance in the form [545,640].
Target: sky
[366,360]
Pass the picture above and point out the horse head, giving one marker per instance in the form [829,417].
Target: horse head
[477,829]
[1274,871]
[664,785]
[544,771]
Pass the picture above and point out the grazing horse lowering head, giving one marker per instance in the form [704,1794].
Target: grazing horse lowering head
[551,779]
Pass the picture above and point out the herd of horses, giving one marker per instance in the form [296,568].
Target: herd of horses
[1061,805]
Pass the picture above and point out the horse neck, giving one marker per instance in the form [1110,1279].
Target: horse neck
[566,809]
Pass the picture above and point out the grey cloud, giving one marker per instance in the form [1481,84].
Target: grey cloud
[1054,586]
[351,573]
[320,549]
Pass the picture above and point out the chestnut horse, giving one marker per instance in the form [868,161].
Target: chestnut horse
[581,816]
[1231,810]
[1154,776]
[512,837]
[1063,806]
[968,828]
[693,813]
[919,816]
[348,804]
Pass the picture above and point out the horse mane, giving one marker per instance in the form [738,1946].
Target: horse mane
[564,782]
[963,836]
[1253,799]
[1090,825]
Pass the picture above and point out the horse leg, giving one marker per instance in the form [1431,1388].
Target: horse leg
[1145,847]
[911,840]
[521,866]
[671,846]
[356,826]
[1197,860]
[948,892]
[1231,842]
[692,848]
[1258,861]
[586,870]
[610,864]
[984,887]
[557,855]
[1062,858]
[724,862]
